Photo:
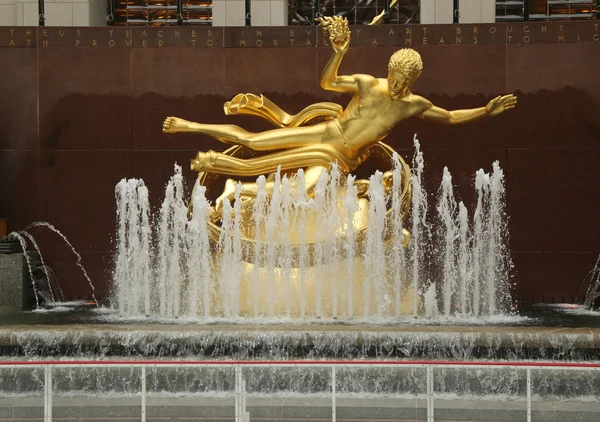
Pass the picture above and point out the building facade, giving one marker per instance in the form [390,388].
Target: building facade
[285,12]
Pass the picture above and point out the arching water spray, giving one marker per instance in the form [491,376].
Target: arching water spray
[23,244]
[44,267]
[77,256]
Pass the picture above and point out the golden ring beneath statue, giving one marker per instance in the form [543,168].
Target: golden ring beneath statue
[380,158]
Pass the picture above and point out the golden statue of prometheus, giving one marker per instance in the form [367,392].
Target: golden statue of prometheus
[344,136]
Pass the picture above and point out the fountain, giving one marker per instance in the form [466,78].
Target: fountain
[45,289]
[305,276]
[315,229]
[309,241]
[301,232]
[266,263]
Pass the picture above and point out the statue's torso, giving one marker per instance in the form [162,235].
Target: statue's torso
[372,113]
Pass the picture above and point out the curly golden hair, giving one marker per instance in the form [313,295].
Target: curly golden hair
[408,62]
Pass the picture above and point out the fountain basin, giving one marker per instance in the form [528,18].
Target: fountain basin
[460,339]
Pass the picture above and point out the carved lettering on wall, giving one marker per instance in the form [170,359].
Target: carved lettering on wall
[301,37]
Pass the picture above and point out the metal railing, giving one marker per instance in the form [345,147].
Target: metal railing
[239,390]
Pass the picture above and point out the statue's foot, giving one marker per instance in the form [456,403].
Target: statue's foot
[204,161]
[228,194]
[248,101]
[175,125]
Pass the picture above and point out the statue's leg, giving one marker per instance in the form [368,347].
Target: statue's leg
[312,155]
[229,134]
[269,140]
[284,138]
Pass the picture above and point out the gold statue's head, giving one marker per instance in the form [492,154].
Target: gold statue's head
[404,68]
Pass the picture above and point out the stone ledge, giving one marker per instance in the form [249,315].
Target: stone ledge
[12,274]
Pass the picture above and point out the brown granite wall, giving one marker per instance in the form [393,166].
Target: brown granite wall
[81,108]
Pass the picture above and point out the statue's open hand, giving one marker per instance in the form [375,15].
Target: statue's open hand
[500,104]
[339,33]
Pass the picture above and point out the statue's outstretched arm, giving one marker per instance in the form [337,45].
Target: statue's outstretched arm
[339,36]
[456,117]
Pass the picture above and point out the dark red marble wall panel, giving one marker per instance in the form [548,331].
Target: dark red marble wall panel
[18,102]
[472,160]
[531,68]
[100,104]
[84,98]
[18,133]
[77,195]
[157,167]
[550,277]
[183,82]
[554,196]
[462,70]
[448,70]
[19,179]
[560,105]
[482,134]
[257,70]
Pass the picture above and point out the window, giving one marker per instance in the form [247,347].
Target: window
[162,12]
[544,10]
[358,12]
